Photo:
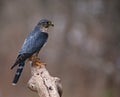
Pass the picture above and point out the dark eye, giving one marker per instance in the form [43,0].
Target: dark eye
[48,23]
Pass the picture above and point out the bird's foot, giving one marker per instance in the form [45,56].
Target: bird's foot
[37,62]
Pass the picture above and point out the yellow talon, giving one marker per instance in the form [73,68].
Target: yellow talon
[38,63]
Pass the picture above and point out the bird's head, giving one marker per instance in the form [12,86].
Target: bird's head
[44,24]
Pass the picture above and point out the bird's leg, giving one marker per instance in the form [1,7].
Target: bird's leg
[36,61]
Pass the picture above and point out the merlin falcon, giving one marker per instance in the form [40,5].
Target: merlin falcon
[31,46]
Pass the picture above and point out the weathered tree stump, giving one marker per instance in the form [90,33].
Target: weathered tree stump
[43,83]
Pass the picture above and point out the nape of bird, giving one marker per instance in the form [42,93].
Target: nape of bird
[31,47]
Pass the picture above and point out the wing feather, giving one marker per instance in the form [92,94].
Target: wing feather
[34,42]
[31,45]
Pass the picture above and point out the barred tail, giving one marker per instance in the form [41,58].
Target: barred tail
[18,73]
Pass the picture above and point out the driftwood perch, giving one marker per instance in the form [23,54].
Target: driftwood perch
[43,83]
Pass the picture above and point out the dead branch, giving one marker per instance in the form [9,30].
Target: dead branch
[43,83]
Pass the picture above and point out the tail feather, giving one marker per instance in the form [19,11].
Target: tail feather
[18,72]
[18,60]
[21,58]
[14,65]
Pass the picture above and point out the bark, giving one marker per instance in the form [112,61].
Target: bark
[43,83]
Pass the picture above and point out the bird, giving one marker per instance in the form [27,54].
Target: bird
[33,43]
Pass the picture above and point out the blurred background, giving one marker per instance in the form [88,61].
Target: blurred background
[82,49]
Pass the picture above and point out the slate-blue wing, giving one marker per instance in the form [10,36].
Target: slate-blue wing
[31,45]
[34,42]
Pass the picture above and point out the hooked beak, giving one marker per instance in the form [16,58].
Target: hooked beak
[51,24]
